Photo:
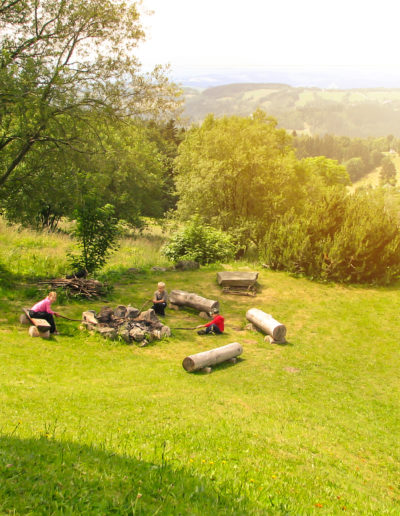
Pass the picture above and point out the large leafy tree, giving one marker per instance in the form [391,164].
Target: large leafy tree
[238,173]
[120,165]
[62,60]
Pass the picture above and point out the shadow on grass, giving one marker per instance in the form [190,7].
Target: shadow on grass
[46,476]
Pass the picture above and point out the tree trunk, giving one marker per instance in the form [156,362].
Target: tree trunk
[266,323]
[182,298]
[212,357]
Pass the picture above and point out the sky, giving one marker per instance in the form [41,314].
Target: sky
[255,34]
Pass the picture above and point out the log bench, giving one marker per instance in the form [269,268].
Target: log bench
[178,298]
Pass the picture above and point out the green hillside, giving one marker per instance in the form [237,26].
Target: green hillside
[90,426]
[356,113]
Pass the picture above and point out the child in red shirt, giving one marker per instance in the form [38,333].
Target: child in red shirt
[215,326]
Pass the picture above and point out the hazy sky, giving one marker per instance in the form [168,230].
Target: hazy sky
[267,33]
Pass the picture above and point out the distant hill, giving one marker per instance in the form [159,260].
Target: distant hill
[354,112]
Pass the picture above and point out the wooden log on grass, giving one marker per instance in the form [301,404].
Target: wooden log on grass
[182,298]
[266,323]
[212,357]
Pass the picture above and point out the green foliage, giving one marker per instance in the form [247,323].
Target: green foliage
[64,65]
[356,168]
[339,238]
[96,231]
[238,172]
[329,170]
[388,172]
[201,243]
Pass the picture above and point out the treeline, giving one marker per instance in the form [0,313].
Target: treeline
[242,176]
[359,155]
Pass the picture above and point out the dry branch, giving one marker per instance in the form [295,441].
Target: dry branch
[79,287]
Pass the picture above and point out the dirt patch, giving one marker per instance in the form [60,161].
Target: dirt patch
[292,370]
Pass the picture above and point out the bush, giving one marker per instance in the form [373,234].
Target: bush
[201,243]
[340,238]
[96,232]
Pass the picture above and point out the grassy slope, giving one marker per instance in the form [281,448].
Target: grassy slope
[92,427]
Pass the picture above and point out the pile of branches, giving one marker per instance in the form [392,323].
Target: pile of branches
[78,287]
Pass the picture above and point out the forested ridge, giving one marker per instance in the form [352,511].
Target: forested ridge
[355,112]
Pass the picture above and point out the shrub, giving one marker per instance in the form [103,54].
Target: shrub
[340,238]
[201,243]
[96,232]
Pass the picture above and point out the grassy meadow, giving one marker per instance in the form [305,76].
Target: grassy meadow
[89,426]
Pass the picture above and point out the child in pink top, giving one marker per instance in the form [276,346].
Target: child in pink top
[42,310]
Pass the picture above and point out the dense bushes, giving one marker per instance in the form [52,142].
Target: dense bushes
[201,243]
[342,238]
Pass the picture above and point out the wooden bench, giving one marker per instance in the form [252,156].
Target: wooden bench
[238,282]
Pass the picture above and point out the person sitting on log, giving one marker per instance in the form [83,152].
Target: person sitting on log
[42,310]
[160,299]
[215,327]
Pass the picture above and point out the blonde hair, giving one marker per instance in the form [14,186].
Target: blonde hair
[52,294]
[161,284]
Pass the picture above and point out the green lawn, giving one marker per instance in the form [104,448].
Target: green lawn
[96,427]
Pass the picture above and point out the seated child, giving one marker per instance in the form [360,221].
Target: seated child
[216,326]
[160,299]
[42,310]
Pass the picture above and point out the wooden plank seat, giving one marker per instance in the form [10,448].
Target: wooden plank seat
[41,324]
[238,282]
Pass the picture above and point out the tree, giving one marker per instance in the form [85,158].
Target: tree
[60,61]
[239,173]
[388,172]
[96,231]
[329,170]
[339,237]
[356,168]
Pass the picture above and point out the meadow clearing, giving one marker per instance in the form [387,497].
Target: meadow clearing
[89,426]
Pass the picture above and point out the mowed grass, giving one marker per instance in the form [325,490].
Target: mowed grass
[312,427]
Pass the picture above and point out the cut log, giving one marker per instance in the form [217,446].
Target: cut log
[236,278]
[182,298]
[34,332]
[24,319]
[266,323]
[271,340]
[88,317]
[212,357]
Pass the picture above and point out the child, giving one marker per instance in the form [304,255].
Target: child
[160,299]
[215,326]
[42,310]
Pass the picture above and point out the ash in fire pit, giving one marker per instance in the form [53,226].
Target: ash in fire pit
[126,322]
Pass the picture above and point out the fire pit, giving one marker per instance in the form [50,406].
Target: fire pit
[126,322]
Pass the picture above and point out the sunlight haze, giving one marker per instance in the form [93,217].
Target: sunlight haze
[228,33]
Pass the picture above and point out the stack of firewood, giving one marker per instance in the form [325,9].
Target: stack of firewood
[78,287]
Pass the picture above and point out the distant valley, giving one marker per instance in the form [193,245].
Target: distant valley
[360,112]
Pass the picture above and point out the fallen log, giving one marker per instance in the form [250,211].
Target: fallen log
[182,298]
[267,324]
[212,357]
